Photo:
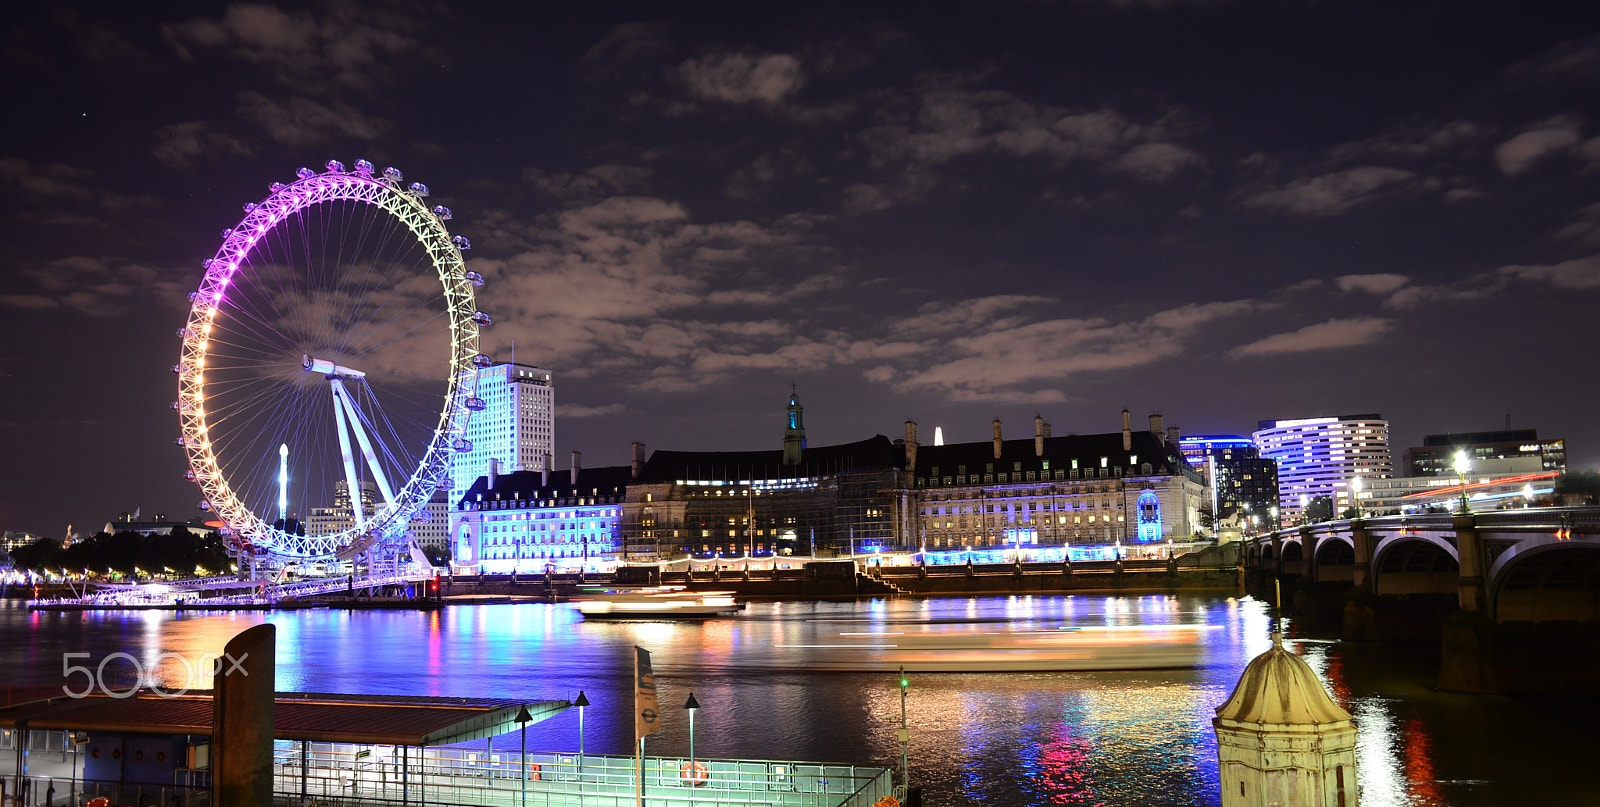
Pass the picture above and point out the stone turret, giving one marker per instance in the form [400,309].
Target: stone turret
[1281,739]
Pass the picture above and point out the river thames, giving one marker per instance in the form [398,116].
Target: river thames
[1006,739]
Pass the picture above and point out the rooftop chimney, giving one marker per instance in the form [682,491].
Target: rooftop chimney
[1173,434]
[997,438]
[1127,431]
[1038,436]
[911,446]
[494,472]
[577,461]
[638,458]
[1156,427]
[544,472]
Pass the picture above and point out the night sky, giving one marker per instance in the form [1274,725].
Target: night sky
[1225,211]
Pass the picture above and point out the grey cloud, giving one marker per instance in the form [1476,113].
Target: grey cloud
[1380,284]
[1333,193]
[741,78]
[1335,333]
[351,46]
[299,121]
[1520,152]
[181,144]
[1579,274]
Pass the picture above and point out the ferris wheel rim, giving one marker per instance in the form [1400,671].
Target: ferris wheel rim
[248,530]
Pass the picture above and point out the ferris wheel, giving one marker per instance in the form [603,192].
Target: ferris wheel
[324,382]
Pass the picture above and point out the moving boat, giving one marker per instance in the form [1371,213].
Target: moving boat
[655,602]
[1148,647]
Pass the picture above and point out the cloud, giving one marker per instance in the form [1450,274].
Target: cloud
[628,42]
[1578,59]
[1584,229]
[99,287]
[567,410]
[64,194]
[299,121]
[1520,152]
[1334,333]
[1157,161]
[1579,274]
[181,144]
[1379,284]
[742,78]
[1414,142]
[1334,193]
[592,182]
[352,46]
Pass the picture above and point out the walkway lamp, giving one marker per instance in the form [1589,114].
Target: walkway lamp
[1275,522]
[523,717]
[580,703]
[691,706]
[1355,495]
[1462,466]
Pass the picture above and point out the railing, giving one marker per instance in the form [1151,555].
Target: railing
[456,777]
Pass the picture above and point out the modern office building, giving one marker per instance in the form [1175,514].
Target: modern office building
[1489,488]
[512,423]
[433,530]
[1243,483]
[526,522]
[1322,457]
[1053,499]
[1436,455]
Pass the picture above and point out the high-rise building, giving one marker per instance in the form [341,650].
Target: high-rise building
[1509,451]
[515,427]
[1243,482]
[338,518]
[1323,456]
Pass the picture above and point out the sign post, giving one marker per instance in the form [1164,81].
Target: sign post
[646,714]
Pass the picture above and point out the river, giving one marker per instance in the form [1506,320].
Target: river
[1012,739]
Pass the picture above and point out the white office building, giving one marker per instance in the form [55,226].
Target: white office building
[515,428]
[1323,457]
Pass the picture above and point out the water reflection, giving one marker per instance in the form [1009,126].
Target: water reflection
[1001,739]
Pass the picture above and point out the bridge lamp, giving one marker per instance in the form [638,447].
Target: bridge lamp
[1462,466]
[1527,495]
[1274,511]
[1304,501]
[1355,495]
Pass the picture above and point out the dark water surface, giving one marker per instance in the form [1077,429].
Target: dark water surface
[1012,739]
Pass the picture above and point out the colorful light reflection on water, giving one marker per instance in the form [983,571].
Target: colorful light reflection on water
[1071,738]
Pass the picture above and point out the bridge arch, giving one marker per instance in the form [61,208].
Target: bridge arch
[1415,564]
[1546,578]
[1335,560]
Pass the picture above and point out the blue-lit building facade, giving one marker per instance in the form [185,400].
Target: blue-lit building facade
[1054,499]
[532,521]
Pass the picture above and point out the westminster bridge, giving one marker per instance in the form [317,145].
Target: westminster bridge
[1514,595]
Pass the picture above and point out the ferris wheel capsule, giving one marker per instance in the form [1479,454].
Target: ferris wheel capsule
[482,319]
[305,173]
[249,206]
[178,441]
[481,361]
[204,505]
[275,187]
[462,445]
[189,475]
[421,190]
[394,173]
[442,212]
[335,167]
[474,278]
[364,168]
[477,404]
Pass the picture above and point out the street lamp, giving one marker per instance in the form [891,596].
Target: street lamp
[580,703]
[1304,501]
[1274,510]
[1527,495]
[1463,465]
[692,706]
[1355,495]
[523,717]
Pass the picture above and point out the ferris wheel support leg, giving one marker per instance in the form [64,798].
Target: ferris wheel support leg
[366,449]
[354,485]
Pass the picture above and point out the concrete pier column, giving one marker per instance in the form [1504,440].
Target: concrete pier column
[1361,537]
[1470,589]
[1308,554]
[241,720]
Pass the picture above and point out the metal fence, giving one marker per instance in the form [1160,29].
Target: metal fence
[327,774]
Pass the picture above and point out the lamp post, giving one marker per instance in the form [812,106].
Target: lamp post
[1527,495]
[905,738]
[580,703]
[1355,495]
[1304,502]
[523,717]
[691,706]
[1462,466]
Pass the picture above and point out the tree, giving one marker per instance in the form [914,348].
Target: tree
[437,556]
[38,556]
[1319,509]
[1207,517]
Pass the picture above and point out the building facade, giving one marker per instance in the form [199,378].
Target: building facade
[1052,499]
[1244,484]
[1322,457]
[1436,455]
[512,423]
[341,517]
[528,522]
